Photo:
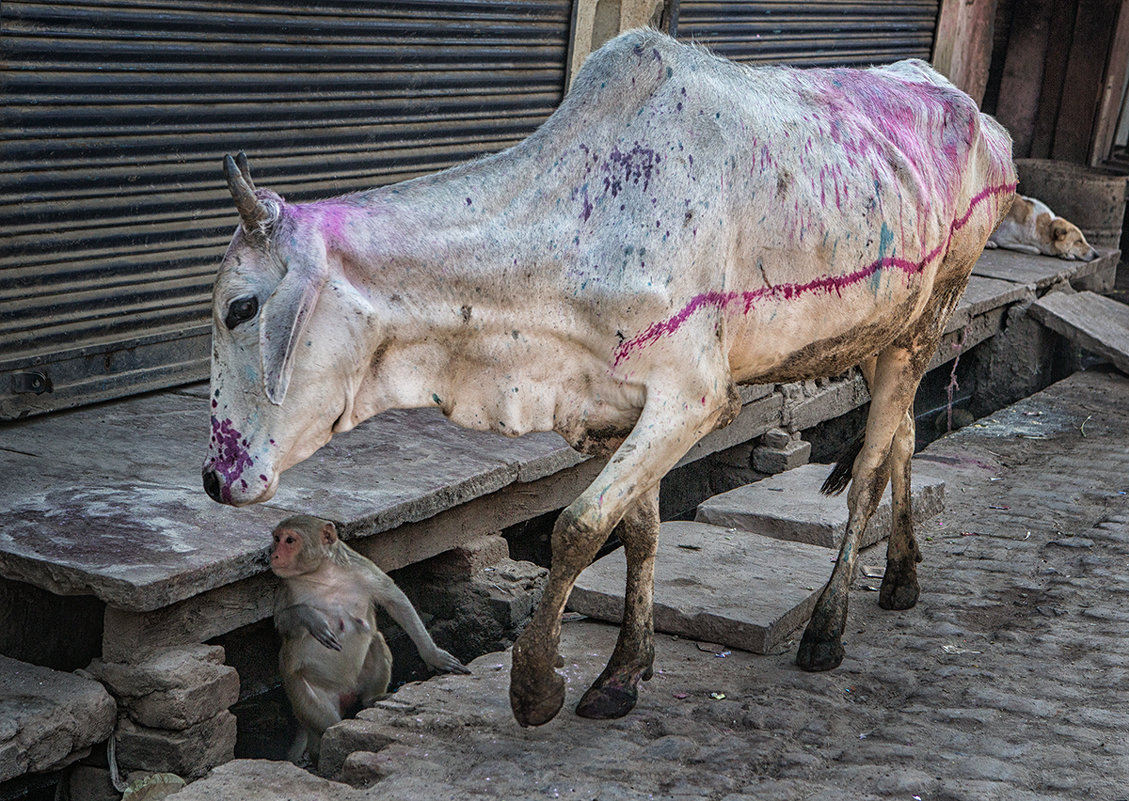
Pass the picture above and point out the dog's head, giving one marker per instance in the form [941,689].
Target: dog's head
[1067,241]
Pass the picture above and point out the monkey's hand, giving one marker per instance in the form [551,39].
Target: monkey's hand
[314,621]
[444,662]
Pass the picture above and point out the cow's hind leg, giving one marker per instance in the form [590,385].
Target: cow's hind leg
[896,375]
[899,585]
[614,693]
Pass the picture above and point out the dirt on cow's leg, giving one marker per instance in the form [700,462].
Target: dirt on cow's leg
[615,692]
[894,382]
[899,585]
[536,690]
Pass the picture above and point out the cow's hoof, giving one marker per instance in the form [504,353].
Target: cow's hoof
[818,653]
[898,592]
[610,698]
[536,701]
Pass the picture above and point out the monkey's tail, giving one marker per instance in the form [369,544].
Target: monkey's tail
[844,465]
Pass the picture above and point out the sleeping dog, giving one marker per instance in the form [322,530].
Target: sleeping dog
[1031,227]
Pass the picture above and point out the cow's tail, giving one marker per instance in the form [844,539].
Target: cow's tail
[844,465]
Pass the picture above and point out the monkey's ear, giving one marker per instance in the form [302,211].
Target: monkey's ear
[328,533]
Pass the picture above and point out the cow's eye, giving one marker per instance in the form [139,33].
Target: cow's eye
[241,310]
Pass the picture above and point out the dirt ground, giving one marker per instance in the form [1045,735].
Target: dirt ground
[1009,680]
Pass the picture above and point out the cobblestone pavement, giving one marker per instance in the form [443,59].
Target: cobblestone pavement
[1009,680]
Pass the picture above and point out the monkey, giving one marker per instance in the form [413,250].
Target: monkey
[333,656]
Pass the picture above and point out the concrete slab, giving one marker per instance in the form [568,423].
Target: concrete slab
[1094,322]
[1039,272]
[715,584]
[48,718]
[982,295]
[789,506]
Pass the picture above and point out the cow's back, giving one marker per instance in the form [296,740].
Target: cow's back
[792,206]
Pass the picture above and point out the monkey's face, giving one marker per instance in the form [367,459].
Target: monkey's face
[286,555]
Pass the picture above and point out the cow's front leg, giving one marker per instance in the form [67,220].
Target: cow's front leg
[668,425]
[892,388]
[899,584]
[614,693]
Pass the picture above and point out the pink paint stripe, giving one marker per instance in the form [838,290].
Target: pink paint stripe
[826,283]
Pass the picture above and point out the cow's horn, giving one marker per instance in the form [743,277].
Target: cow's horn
[254,213]
[244,168]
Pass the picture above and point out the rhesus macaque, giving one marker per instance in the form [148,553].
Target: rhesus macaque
[333,657]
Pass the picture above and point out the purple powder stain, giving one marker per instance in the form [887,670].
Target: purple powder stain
[824,285]
[231,454]
[586,210]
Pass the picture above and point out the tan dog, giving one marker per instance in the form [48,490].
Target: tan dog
[1031,227]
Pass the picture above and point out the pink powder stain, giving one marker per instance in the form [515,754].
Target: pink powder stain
[331,217]
[231,454]
[824,284]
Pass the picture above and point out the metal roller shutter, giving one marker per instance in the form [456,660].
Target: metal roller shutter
[823,33]
[116,116]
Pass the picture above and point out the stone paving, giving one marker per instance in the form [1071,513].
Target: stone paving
[1009,680]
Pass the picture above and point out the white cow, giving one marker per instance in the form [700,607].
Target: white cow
[681,224]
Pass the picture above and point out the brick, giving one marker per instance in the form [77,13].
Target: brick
[776,438]
[48,718]
[772,460]
[189,753]
[470,557]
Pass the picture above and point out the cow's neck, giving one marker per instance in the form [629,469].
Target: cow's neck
[439,265]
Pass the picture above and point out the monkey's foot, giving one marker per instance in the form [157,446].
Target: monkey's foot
[899,589]
[819,651]
[612,696]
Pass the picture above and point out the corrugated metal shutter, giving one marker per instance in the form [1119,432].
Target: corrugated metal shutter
[824,33]
[116,116]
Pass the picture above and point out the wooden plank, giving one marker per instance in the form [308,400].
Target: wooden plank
[1093,322]
[1022,81]
[1109,104]
[963,44]
[1082,86]
[1039,272]
[1054,73]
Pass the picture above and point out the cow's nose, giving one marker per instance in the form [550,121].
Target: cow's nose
[212,485]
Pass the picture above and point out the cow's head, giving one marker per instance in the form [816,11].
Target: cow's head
[288,332]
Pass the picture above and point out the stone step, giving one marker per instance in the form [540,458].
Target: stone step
[789,506]
[1091,321]
[49,718]
[717,585]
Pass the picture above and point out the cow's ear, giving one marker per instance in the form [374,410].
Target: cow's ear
[284,319]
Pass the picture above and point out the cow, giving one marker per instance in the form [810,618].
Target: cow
[678,226]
